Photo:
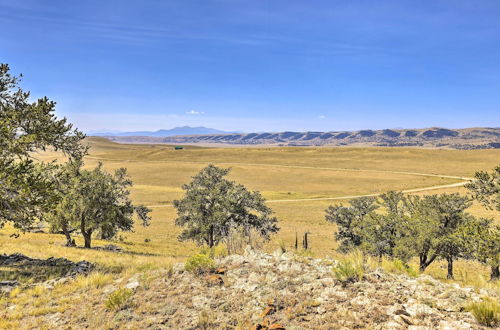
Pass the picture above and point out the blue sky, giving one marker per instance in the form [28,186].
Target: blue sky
[255,65]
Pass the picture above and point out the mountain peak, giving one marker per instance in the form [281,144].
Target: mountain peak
[182,130]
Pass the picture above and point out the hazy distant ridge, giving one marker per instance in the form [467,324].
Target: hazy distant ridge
[185,130]
[467,138]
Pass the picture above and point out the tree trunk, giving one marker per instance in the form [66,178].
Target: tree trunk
[424,263]
[495,273]
[211,237]
[87,236]
[69,242]
[450,269]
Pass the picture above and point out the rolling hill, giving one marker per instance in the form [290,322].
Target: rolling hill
[435,137]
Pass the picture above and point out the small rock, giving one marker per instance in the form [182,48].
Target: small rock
[214,279]
[132,285]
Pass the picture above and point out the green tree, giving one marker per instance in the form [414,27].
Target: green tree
[213,207]
[482,240]
[26,127]
[94,201]
[350,220]
[381,231]
[486,188]
[359,225]
[431,227]
[398,226]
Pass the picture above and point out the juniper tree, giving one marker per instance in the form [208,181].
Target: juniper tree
[486,189]
[349,220]
[25,127]
[383,231]
[94,201]
[360,226]
[404,227]
[431,226]
[482,240]
[213,207]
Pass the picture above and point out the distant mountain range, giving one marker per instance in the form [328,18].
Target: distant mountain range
[435,137]
[185,130]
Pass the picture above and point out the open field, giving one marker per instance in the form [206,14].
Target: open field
[299,183]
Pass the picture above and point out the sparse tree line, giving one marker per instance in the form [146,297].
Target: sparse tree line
[67,196]
[427,227]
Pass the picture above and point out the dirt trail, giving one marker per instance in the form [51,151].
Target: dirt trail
[286,166]
[452,185]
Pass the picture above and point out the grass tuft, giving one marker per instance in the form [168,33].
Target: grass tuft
[118,299]
[397,266]
[199,264]
[94,280]
[486,312]
[351,269]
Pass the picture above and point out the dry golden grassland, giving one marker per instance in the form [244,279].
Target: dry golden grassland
[285,176]
[281,174]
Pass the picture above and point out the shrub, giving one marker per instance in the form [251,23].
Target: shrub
[352,268]
[118,299]
[199,264]
[486,312]
[96,280]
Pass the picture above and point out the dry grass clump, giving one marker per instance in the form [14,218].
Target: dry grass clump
[118,299]
[397,266]
[352,268]
[486,312]
[95,280]
[199,264]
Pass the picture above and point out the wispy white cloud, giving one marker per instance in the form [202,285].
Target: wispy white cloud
[321,116]
[194,112]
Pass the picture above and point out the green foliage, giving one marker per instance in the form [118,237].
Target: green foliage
[351,269]
[214,206]
[349,221]
[199,264]
[482,237]
[395,225]
[94,201]
[486,312]
[118,299]
[486,188]
[25,127]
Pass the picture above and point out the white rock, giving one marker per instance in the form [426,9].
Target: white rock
[454,325]
[132,285]
[419,309]
[200,302]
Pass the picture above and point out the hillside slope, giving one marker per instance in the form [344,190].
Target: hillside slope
[282,291]
[468,138]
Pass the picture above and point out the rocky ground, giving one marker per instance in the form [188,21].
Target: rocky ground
[268,291]
[279,291]
[46,271]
